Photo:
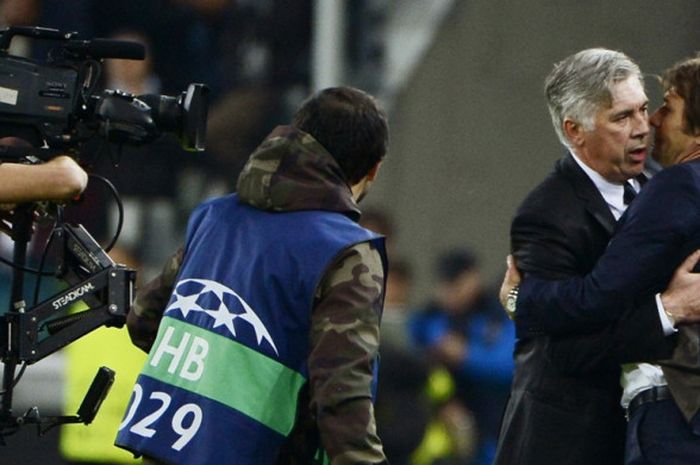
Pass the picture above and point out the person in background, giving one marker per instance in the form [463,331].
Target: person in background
[465,330]
[402,409]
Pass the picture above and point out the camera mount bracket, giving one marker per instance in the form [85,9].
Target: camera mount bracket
[32,334]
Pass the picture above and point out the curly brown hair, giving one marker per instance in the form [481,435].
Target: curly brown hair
[683,78]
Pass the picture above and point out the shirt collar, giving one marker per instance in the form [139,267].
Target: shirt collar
[612,192]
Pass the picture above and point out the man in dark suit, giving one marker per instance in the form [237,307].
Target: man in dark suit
[660,228]
[599,110]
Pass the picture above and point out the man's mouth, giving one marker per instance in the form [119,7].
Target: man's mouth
[638,154]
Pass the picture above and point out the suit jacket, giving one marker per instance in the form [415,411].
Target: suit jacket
[659,229]
[557,415]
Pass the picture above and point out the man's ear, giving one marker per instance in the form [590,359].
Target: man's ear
[373,171]
[574,132]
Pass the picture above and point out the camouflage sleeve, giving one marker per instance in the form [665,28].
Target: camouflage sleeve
[149,304]
[344,343]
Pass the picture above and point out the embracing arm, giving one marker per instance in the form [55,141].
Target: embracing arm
[636,337]
[657,233]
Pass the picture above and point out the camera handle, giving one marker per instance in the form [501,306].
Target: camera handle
[33,32]
[107,289]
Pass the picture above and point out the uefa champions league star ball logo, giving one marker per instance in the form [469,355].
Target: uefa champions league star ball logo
[215,300]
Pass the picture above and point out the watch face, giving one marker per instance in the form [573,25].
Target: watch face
[511,302]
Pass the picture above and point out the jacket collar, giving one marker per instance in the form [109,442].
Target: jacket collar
[291,171]
[586,190]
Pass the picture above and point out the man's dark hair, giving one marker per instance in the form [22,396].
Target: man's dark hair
[684,79]
[350,124]
[452,263]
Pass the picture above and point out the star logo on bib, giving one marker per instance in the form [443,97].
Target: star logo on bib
[220,303]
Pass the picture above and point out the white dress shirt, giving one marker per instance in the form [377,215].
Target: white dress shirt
[636,377]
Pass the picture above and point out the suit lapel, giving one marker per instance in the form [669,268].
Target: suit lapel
[588,192]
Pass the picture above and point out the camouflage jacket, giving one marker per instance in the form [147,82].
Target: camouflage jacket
[291,171]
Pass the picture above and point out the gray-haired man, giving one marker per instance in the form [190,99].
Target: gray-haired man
[569,412]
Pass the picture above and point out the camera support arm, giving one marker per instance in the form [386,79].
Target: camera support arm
[107,288]
[30,335]
[112,285]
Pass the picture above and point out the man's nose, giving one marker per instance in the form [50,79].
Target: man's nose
[641,125]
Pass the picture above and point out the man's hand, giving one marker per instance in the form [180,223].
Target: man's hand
[511,279]
[681,299]
[451,350]
[56,180]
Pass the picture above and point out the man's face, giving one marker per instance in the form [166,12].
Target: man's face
[616,147]
[670,139]
[461,292]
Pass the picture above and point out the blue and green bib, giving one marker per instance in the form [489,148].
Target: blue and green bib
[221,383]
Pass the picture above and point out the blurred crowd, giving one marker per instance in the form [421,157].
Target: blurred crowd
[253,56]
[446,359]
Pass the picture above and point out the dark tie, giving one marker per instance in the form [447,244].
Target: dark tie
[629,194]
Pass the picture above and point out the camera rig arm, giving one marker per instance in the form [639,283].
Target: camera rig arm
[32,334]
[95,279]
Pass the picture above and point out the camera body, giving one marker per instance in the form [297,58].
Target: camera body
[53,102]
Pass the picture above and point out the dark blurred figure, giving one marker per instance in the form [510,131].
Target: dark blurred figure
[380,221]
[397,310]
[402,408]
[254,56]
[465,329]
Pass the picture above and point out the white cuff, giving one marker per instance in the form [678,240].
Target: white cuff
[666,324]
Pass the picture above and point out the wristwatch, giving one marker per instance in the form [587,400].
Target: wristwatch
[512,301]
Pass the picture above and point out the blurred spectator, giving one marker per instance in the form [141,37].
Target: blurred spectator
[465,329]
[420,419]
[402,408]
[136,77]
[394,330]
[253,56]
[380,221]
[20,12]
[236,123]
[225,44]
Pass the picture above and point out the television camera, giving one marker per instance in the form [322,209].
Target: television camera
[53,105]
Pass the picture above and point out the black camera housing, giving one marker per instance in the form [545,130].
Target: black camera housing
[53,102]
